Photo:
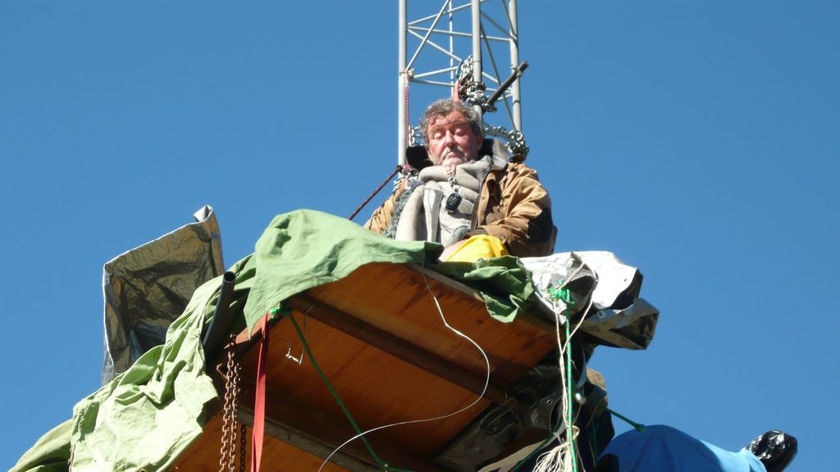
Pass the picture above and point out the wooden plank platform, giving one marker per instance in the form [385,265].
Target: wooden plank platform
[379,339]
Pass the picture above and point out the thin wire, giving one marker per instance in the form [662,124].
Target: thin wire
[378,189]
[570,432]
[330,387]
[436,418]
[569,416]
[544,463]
[565,378]
[407,130]
[637,426]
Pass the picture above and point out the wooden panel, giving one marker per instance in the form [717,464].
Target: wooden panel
[397,299]
[379,341]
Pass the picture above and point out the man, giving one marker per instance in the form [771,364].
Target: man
[462,186]
[466,187]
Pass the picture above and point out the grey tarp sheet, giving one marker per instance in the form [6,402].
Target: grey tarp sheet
[608,306]
[146,288]
[148,414]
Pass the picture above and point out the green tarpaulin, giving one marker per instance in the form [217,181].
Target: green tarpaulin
[146,416]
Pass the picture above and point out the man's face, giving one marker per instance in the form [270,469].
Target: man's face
[452,141]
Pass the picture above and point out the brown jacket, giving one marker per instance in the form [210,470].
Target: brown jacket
[512,206]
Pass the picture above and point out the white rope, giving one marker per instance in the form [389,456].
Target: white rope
[562,458]
[435,418]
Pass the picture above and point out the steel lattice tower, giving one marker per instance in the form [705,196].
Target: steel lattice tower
[468,47]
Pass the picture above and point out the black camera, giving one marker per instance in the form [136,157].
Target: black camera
[452,202]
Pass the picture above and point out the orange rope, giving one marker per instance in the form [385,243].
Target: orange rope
[407,122]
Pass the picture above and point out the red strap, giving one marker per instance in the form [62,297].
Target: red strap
[259,401]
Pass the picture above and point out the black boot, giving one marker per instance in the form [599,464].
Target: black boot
[774,449]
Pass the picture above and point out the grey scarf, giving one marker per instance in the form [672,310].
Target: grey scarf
[424,215]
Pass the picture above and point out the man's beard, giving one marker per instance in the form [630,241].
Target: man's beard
[456,156]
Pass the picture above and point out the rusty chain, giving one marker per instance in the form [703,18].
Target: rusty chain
[230,371]
[242,450]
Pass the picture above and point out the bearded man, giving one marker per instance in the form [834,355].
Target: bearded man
[465,186]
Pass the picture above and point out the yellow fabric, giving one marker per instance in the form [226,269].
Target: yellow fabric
[480,246]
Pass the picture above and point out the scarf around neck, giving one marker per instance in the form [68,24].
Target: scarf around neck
[423,214]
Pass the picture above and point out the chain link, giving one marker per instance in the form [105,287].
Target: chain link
[230,372]
[471,89]
[242,456]
[515,141]
[453,184]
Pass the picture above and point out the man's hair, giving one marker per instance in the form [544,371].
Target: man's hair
[446,106]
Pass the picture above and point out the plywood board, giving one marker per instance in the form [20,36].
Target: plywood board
[376,348]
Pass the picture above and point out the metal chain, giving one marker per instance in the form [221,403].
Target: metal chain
[515,141]
[242,436]
[471,88]
[230,372]
[453,184]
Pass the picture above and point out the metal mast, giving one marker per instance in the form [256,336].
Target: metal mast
[468,48]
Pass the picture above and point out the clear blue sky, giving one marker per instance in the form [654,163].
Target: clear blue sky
[697,140]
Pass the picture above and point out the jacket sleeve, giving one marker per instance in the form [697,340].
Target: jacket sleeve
[518,211]
[382,216]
